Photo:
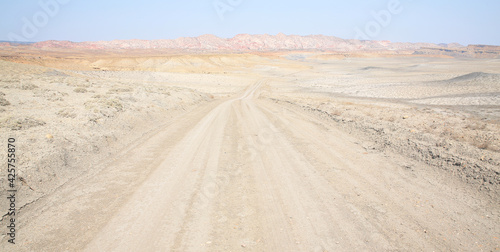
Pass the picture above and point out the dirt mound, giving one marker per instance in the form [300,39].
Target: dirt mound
[371,68]
[475,76]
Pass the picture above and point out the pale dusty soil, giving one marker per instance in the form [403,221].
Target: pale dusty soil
[289,154]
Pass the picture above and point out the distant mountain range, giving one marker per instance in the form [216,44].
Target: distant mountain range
[246,42]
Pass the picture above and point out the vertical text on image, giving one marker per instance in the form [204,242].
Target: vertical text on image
[11,192]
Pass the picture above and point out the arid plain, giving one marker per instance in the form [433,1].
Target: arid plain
[279,151]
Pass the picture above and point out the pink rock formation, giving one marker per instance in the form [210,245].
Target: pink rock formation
[241,42]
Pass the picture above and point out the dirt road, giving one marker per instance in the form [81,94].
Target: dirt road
[246,174]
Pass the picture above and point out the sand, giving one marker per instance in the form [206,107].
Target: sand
[251,152]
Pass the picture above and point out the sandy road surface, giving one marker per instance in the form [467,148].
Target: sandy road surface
[246,174]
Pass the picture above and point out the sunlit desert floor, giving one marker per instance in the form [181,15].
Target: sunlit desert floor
[295,151]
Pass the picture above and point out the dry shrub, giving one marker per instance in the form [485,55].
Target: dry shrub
[66,113]
[107,107]
[119,90]
[476,126]
[21,123]
[80,90]
[3,101]
[28,86]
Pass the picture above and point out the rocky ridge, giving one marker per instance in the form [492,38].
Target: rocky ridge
[244,42]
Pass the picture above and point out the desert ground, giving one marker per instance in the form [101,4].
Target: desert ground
[283,151]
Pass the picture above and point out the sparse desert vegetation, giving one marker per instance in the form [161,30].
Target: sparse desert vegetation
[229,125]
[356,127]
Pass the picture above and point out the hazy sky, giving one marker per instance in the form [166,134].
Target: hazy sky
[438,21]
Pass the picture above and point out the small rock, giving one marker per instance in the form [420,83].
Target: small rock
[49,136]
[405,117]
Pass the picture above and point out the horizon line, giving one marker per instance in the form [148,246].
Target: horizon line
[228,38]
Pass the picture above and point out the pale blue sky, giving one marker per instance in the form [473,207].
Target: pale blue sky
[445,21]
